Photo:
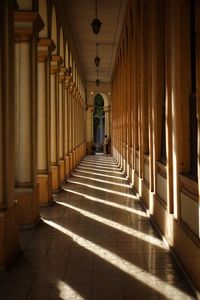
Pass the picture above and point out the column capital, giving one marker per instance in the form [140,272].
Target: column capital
[79,98]
[76,92]
[27,24]
[62,72]
[45,47]
[56,61]
[71,87]
[68,79]
[82,101]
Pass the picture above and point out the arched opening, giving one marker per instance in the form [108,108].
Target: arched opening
[61,46]
[43,13]
[54,30]
[99,122]
[66,55]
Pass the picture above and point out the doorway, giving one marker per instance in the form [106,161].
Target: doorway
[98,123]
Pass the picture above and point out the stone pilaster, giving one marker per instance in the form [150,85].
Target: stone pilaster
[27,26]
[45,47]
[61,118]
[71,130]
[54,129]
[66,125]
[107,121]
[8,218]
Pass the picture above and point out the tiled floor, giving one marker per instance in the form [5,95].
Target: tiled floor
[94,242]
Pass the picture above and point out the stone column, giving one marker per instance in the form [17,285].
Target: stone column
[45,47]
[8,219]
[90,129]
[77,128]
[61,122]
[71,119]
[27,25]
[75,125]
[80,123]
[107,121]
[54,129]
[73,128]
[69,129]
[67,125]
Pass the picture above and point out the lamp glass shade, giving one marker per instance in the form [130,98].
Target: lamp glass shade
[97,82]
[96,24]
[97,61]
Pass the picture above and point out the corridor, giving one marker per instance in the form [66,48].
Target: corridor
[94,242]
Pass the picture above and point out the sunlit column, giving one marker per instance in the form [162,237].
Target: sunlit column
[79,129]
[107,123]
[8,219]
[67,126]
[92,124]
[73,117]
[45,47]
[80,124]
[27,25]
[54,133]
[61,111]
[75,120]
[70,119]
[73,127]
[84,133]
[70,129]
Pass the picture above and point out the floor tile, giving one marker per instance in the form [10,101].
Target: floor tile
[94,242]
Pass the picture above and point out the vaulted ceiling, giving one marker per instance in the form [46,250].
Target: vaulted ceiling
[80,15]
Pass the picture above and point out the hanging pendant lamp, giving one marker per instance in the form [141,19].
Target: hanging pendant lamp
[97,80]
[97,59]
[96,23]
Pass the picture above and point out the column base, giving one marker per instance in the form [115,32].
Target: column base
[62,170]
[55,182]
[89,147]
[9,237]
[78,155]
[66,166]
[70,162]
[45,191]
[27,206]
[74,159]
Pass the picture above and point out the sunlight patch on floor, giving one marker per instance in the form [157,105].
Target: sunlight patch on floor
[125,229]
[66,291]
[101,180]
[109,203]
[99,174]
[103,189]
[125,266]
[107,164]
[99,167]
[104,171]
